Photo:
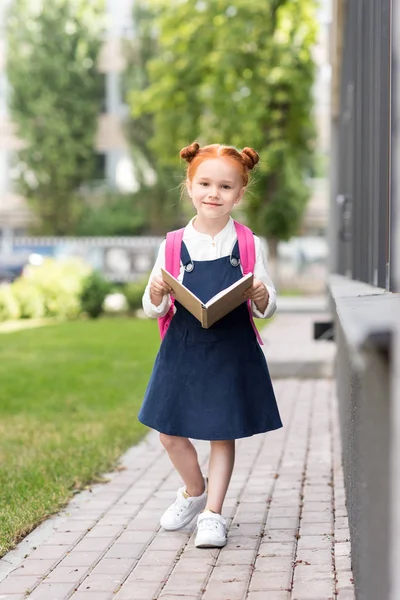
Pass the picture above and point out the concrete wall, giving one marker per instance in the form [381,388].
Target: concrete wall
[364,327]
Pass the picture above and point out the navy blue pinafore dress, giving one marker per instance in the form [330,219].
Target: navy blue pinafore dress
[210,384]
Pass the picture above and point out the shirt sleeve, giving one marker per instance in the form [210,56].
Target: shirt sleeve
[150,310]
[261,273]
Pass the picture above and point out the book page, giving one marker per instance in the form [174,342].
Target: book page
[228,290]
[227,300]
[191,302]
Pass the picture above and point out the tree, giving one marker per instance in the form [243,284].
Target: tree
[55,100]
[159,183]
[241,73]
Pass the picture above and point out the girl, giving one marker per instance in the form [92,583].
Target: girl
[209,384]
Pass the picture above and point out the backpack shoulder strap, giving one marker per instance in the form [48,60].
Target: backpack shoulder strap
[247,251]
[173,251]
[247,247]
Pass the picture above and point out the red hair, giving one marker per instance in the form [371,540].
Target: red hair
[244,160]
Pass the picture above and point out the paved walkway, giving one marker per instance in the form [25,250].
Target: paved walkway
[288,530]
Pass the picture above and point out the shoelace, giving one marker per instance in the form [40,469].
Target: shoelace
[179,505]
[210,524]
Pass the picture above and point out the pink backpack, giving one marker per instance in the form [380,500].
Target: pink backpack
[173,262]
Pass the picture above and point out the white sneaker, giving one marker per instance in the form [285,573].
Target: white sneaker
[211,530]
[183,510]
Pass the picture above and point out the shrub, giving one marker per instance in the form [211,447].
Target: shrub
[94,290]
[8,305]
[134,293]
[60,283]
[29,298]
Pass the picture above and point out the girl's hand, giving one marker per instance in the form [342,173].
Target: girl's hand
[158,289]
[258,293]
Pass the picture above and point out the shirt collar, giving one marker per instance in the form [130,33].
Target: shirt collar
[224,233]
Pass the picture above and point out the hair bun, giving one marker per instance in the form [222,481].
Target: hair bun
[250,157]
[190,152]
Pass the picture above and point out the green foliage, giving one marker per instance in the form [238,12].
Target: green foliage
[60,283]
[134,293]
[29,298]
[159,183]
[113,214]
[8,304]
[240,73]
[94,290]
[55,98]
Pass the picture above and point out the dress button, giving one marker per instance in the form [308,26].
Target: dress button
[213,243]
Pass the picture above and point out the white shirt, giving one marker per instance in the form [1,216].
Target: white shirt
[202,246]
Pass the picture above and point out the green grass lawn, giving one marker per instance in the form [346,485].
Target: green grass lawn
[69,398]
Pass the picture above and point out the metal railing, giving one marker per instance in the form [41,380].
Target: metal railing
[363,149]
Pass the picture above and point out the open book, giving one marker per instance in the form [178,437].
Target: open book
[217,307]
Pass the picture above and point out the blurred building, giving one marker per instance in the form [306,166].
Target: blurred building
[14,215]
[110,143]
[114,164]
[316,216]
[365,281]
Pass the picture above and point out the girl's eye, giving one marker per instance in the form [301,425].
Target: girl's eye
[226,187]
[204,183]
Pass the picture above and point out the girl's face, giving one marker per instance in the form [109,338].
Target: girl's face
[215,188]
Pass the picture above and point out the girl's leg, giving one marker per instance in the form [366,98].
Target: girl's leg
[183,456]
[222,459]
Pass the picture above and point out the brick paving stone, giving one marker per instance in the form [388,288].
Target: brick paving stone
[235,557]
[314,557]
[319,542]
[148,573]
[125,551]
[276,580]
[342,549]
[344,580]
[342,535]
[218,590]
[64,539]
[274,563]
[49,552]
[51,591]
[80,559]
[265,595]
[14,584]
[33,566]
[276,549]
[138,590]
[183,594]
[101,582]
[166,543]
[158,557]
[93,544]
[343,563]
[279,535]
[316,529]
[231,573]
[345,595]
[187,583]
[246,529]
[77,525]
[114,566]
[91,596]
[242,542]
[317,517]
[67,574]
[103,531]
[313,588]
